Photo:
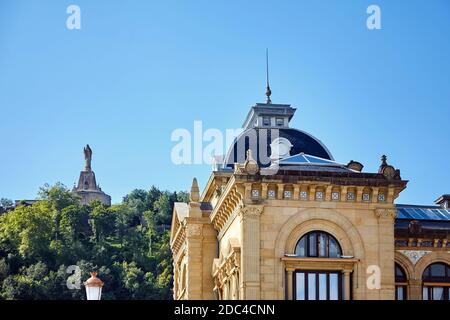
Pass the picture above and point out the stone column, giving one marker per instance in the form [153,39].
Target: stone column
[414,290]
[250,252]
[346,283]
[194,250]
[386,252]
[290,283]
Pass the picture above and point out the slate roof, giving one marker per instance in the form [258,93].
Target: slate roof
[262,137]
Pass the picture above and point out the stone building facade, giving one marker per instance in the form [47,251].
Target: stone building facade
[280,219]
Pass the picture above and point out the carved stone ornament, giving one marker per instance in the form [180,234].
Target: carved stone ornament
[388,171]
[250,211]
[250,165]
[386,213]
[193,230]
[354,165]
[414,255]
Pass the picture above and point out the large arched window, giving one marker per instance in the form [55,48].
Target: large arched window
[436,282]
[318,244]
[318,284]
[401,283]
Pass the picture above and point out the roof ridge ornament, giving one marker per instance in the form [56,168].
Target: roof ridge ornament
[388,171]
[194,196]
[268,91]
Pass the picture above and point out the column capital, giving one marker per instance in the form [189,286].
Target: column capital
[385,213]
[251,211]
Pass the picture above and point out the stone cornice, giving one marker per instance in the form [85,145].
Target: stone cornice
[178,239]
[296,263]
[228,203]
[344,179]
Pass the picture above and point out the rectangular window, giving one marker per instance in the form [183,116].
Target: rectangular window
[266,121]
[425,293]
[300,285]
[438,293]
[323,286]
[317,285]
[311,286]
[334,286]
[400,293]
[280,122]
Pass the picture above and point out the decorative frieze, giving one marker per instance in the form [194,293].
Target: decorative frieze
[226,272]
[414,255]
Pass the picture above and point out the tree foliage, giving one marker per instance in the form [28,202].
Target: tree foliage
[127,244]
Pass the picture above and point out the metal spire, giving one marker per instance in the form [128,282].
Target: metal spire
[268,91]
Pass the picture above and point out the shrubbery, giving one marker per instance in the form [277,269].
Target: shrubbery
[127,244]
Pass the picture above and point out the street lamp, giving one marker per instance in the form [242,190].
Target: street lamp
[93,287]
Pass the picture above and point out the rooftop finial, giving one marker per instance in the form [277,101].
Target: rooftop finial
[384,160]
[195,192]
[268,91]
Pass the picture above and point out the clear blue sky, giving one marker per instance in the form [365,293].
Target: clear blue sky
[137,70]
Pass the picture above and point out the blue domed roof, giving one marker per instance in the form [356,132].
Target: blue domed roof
[259,140]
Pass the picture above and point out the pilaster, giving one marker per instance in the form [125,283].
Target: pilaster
[250,285]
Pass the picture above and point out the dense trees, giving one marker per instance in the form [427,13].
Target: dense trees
[127,243]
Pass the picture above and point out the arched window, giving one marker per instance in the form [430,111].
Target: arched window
[436,282]
[401,283]
[318,244]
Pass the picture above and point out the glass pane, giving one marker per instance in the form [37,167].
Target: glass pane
[311,286]
[334,287]
[425,293]
[400,293]
[438,293]
[335,252]
[300,250]
[437,270]
[322,286]
[399,274]
[322,237]
[312,245]
[300,286]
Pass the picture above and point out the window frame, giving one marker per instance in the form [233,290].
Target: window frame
[317,284]
[429,282]
[401,282]
[317,247]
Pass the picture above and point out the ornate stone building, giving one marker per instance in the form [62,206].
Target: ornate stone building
[280,219]
[87,187]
